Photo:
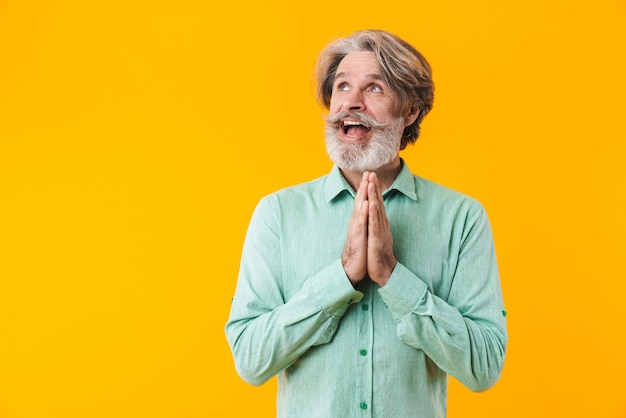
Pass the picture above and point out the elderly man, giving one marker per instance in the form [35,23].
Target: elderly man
[364,288]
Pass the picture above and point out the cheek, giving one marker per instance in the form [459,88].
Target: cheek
[392,113]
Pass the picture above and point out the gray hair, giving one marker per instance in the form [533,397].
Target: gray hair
[402,67]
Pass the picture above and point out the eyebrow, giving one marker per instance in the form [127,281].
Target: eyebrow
[372,76]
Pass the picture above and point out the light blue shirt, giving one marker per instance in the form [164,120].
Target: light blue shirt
[368,352]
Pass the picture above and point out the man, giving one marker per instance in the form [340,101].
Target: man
[363,289]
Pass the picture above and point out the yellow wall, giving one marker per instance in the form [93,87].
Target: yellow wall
[137,136]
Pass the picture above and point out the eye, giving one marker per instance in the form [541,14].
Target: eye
[342,87]
[376,89]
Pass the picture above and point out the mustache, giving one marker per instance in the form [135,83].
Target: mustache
[335,119]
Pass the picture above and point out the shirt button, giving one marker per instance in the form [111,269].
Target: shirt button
[365,307]
[363,352]
[363,405]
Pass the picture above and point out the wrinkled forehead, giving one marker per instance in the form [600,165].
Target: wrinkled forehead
[359,63]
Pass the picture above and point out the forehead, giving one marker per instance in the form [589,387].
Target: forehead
[358,64]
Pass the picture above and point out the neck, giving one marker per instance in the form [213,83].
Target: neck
[386,174]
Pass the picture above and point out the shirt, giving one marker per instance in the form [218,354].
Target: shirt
[370,351]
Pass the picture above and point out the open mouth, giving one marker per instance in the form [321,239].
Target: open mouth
[354,128]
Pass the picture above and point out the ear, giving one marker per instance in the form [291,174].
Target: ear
[414,112]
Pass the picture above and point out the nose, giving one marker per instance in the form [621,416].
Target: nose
[353,101]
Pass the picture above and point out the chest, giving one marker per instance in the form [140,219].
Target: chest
[423,242]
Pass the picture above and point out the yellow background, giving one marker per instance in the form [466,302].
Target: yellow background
[137,136]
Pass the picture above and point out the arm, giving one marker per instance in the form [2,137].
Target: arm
[267,333]
[465,335]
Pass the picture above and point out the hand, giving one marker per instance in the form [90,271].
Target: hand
[380,257]
[354,258]
[369,243]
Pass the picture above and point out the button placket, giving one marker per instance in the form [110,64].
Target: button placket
[363,350]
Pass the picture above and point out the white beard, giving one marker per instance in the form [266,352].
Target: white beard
[382,148]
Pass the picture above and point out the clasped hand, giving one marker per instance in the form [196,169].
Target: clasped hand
[369,243]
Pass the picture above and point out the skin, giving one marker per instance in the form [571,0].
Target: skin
[368,251]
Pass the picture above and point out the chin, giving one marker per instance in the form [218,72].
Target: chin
[360,156]
[358,161]
[375,151]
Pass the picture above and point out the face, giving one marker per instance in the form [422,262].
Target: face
[362,130]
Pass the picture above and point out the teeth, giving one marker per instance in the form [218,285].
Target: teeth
[353,123]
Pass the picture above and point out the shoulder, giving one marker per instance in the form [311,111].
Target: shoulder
[445,199]
[429,189]
[293,195]
[308,188]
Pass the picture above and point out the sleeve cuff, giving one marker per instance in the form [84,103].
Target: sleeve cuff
[333,289]
[403,293]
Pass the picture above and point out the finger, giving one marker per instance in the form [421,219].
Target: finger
[378,224]
[361,217]
[358,223]
[361,193]
[377,194]
[374,193]
[375,218]
[376,201]
[354,257]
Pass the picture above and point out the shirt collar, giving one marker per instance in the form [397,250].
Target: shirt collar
[336,184]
